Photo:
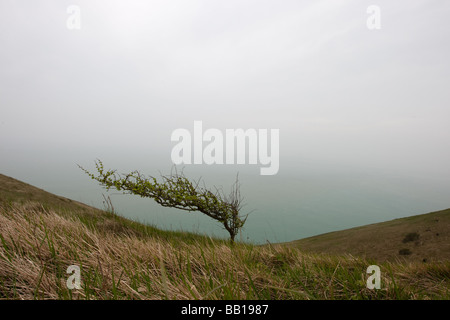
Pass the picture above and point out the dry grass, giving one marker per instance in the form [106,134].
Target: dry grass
[123,260]
[425,237]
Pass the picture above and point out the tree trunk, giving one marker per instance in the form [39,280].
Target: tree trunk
[232,235]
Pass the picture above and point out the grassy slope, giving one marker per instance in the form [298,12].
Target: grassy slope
[383,241]
[121,259]
[15,190]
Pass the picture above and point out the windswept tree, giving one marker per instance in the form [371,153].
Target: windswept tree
[177,191]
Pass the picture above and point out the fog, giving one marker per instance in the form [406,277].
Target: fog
[363,115]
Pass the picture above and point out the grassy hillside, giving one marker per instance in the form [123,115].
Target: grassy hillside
[121,259]
[422,238]
[17,191]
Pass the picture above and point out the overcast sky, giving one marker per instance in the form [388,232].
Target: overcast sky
[339,93]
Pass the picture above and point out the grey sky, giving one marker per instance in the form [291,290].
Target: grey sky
[339,93]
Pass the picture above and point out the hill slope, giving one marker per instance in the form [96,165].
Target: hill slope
[15,190]
[122,259]
[423,237]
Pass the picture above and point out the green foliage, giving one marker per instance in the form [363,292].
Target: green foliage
[176,191]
